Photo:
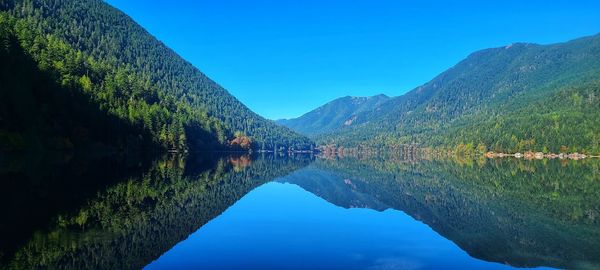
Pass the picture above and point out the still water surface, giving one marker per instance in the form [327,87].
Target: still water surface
[267,212]
[283,226]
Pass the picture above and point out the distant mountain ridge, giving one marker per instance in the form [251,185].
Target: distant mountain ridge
[514,98]
[333,115]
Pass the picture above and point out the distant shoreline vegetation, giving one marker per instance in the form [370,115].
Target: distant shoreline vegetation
[419,152]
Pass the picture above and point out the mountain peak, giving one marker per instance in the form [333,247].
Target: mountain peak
[334,115]
[472,101]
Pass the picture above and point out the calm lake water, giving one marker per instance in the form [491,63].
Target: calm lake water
[299,212]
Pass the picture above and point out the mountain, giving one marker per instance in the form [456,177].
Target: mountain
[333,115]
[112,83]
[514,98]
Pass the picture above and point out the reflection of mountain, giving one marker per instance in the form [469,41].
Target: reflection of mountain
[522,214]
[122,215]
[333,188]
[129,224]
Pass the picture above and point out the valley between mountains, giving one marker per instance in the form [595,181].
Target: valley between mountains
[82,75]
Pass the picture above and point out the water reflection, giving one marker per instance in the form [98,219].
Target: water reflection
[281,226]
[127,213]
[130,216]
[521,213]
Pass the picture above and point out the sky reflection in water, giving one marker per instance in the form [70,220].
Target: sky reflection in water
[282,226]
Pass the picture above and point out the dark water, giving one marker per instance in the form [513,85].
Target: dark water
[300,212]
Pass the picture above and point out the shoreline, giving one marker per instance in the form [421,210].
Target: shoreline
[540,155]
[412,151]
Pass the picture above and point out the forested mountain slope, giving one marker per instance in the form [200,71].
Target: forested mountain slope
[333,115]
[514,98]
[90,47]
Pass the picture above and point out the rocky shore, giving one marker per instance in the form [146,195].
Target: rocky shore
[540,155]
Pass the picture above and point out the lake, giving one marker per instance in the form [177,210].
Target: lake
[297,212]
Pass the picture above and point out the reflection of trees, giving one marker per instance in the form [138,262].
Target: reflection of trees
[36,188]
[133,222]
[520,212]
[240,163]
[525,213]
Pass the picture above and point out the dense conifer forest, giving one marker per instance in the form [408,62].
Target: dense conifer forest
[82,73]
[521,97]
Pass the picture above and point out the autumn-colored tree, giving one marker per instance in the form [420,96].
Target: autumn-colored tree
[241,141]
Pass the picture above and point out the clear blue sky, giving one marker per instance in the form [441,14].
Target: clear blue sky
[284,58]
